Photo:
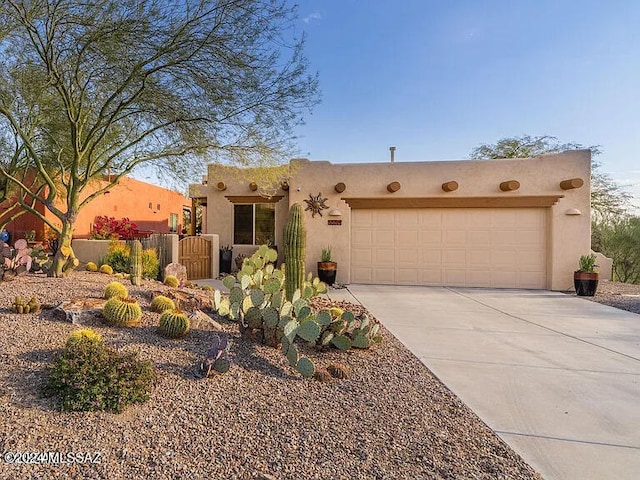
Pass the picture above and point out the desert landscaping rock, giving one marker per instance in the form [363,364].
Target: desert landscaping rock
[390,419]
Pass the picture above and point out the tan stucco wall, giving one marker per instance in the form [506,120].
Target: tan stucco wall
[568,237]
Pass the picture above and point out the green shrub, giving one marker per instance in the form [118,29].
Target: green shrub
[150,264]
[89,376]
[118,257]
[618,240]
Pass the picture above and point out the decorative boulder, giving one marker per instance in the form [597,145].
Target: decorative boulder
[177,270]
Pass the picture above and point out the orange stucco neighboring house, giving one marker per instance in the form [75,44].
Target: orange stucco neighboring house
[152,208]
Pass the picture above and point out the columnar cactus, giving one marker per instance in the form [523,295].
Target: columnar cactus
[122,312]
[295,240]
[174,324]
[135,262]
[20,305]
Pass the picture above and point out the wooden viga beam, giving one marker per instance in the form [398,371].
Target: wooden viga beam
[510,185]
[571,183]
[450,186]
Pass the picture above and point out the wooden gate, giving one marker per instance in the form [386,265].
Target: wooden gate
[195,254]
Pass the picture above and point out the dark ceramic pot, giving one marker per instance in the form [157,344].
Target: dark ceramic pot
[585,284]
[327,272]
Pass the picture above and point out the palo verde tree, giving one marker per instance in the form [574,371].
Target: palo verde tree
[91,90]
[608,199]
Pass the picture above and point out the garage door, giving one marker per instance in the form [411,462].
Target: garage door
[474,247]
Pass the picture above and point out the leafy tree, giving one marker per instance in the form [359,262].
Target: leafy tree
[608,199]
[620,240]
[92,90]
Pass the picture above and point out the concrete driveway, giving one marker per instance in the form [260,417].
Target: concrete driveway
[555,376]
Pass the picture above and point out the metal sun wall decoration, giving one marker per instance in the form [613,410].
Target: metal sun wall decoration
[316,204]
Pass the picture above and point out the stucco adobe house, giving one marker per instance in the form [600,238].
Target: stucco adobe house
[512,223]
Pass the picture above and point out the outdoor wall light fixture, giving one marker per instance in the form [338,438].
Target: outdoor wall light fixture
[573,211]
[335,213]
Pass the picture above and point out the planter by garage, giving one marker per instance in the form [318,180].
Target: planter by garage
[585,283]
[327,272]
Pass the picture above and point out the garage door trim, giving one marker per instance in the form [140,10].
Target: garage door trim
[513,201]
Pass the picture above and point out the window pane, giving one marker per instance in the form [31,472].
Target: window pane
[243,224]
[173,222]
[265,223]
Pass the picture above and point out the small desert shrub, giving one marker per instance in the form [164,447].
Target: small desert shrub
[89,376]
[150,264]
[118,257]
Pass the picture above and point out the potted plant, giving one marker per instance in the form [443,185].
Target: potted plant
[326,268]
[226,255]
[585,279]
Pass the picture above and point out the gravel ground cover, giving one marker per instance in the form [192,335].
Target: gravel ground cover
[391,419]
[625,296]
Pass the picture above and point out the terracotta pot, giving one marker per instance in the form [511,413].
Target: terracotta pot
[327,272]
[585,283]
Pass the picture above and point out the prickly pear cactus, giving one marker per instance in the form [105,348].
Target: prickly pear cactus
[295,240]
[122,312]
[135,263]
[174,324]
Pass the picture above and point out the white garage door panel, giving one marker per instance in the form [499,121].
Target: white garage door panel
[458,247]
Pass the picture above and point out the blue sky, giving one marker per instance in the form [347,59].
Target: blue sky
[435,78]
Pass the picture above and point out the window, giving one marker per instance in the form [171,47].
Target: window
[173,222]
[254,224]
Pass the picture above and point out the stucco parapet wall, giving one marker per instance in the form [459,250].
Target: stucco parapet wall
[474,177]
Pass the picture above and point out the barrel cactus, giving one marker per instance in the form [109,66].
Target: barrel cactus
[135,263]
[91,267]
[122,312]
[161,304]
[106,269]
[171,281]
[174,324]
[115,289]
[295,239]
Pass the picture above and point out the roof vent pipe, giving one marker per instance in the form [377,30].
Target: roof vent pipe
[393,151]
